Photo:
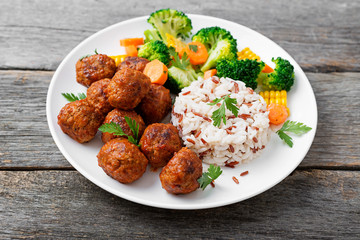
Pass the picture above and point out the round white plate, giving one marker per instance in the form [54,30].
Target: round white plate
[276,162]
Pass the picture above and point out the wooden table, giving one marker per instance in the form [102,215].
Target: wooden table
[42,196]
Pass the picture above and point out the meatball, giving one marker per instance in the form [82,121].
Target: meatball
[94,68]
[155,105]
[80,120]
[127,88]
[180,175]
[118,116]
[136,63]
[159,143]
[122,160]
[96,95]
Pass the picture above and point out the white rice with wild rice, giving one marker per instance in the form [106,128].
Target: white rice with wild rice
[239,140]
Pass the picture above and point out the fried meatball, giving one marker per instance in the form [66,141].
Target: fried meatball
[94,68]
[122,160]
[155,105]
[136,63]
[159,143]
[96,95]
[118,116]
[180,175]
[127,88]
[80,120]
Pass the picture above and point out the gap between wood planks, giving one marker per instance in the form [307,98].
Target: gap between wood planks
[307,168]
[309,69]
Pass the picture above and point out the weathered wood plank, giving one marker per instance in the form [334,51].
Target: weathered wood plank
[25,140]
[321,35]
[62,204]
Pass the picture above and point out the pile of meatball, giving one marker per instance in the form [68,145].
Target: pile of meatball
[115,92]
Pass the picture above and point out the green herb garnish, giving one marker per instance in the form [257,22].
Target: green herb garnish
[182,63]
[292,127]
[72,97]
[116,129]
[209,176]
[88,55]
[218,115]
[193,48]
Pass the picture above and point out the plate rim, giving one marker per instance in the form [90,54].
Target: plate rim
[143,201]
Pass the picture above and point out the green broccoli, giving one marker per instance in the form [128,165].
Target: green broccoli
[244,70]
[155,50]
[180,74]
[151,35]
[282,78]
[219,43]
[171,21]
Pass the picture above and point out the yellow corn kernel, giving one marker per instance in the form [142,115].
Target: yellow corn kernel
[246,53]
[118,59]
[272,94]
[279,97]
[266,94]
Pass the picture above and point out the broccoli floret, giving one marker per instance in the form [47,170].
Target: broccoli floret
[179,78]
[151,35]
[282,78]
[219,43]
[171,21]
[244,70]
[155,50]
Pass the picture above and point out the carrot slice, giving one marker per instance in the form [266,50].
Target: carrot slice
[197,53]
[277,113]
[156,71]
[209,73]
[267,69]
[131,50]
[131,41]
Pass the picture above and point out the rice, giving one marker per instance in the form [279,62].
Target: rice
[239,140]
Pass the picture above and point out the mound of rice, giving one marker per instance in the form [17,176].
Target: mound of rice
[242,137]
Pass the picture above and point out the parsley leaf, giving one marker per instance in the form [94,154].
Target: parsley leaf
[116,129]
[218,115]
[182,63]
[209,176]
[88,55]
[292,127]
[193,48]
[72,97]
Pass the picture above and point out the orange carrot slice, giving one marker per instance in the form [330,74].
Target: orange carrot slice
[131,41]
[156,71]
[131,50]
[277,113]
[267,69]
[197,53]
[209,73]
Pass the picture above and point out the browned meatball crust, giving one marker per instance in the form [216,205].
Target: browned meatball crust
[94,68]
[180,175]
[127,88]
[80,120]
[118,116]
[96,95]
[122,160]
[159,143]
[136,63]
[155,105]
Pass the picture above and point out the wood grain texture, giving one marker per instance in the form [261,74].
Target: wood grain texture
[25,140]
[62,205]
[322,36]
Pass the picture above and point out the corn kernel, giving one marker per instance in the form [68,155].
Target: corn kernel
[283,93]
[266,94]
[272,94]
[283,102]
[246,53]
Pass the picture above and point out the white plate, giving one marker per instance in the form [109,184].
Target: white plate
[276,162]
